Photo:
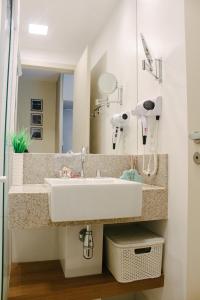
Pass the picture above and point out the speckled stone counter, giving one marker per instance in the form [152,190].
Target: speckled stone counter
[29,208]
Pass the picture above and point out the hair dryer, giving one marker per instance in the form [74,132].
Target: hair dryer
[119,121]
[145,109]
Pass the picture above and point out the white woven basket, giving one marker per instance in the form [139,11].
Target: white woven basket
[130,259]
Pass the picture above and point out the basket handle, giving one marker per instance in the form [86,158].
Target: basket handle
[143,250]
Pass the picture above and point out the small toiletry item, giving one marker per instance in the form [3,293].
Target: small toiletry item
[75,174]
[69,173]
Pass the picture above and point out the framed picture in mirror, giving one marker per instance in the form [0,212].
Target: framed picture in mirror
[37,105]
[36,119]
[36,133]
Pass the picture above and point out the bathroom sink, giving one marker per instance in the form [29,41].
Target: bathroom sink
[80,199]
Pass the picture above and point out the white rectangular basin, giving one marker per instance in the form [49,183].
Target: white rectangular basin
[80,199]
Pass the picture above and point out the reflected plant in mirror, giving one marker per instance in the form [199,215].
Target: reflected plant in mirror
[20,141]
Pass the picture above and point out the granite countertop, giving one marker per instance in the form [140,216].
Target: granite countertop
[29,189]
[42,188]
[29,208]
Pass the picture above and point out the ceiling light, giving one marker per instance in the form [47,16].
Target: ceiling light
[38,29]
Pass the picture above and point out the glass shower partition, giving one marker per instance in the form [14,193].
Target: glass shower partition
[5,46]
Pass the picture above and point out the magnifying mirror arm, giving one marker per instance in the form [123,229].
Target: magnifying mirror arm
[120,94]
[100,103]
[106,101]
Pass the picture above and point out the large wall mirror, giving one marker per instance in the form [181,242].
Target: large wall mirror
[79,75]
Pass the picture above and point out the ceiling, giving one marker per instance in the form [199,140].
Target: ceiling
[73,24]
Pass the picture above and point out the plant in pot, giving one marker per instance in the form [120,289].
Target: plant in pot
[20,143]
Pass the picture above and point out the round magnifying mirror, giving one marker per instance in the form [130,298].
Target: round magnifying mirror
[107,83]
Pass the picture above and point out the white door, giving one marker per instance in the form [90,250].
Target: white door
[81,104]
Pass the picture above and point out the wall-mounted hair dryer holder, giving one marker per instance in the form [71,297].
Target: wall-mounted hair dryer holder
[153,66]
[156,72]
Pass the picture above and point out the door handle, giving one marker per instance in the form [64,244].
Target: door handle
[3,179]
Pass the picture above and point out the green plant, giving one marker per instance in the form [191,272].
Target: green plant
[20,141]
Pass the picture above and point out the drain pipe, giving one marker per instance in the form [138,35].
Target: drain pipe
[86,237]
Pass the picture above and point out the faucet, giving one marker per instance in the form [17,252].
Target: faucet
[83,156]
[86,237]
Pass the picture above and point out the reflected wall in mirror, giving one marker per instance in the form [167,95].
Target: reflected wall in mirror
[84,70]
[55,118]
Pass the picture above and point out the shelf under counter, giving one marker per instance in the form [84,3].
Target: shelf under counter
[45,280]
[29,208]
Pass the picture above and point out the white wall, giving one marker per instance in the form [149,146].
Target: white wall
[115,51]
[193,78]
[81,104]
[162,23]
[34,245]
[43,90]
